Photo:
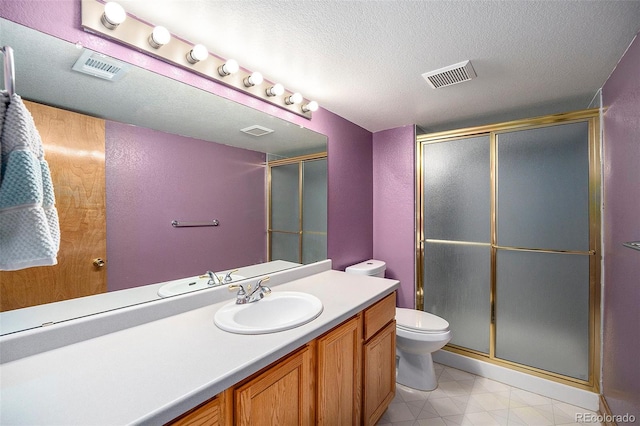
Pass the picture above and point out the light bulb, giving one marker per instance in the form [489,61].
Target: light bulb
[159,37]
[113,15]
[197,53]
[253,80]
[229,67]
[296,98]
[310,107]
[275,90]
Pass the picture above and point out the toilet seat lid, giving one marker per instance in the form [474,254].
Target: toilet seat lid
[415,320]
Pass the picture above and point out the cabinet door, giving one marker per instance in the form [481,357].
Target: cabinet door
[215,412]
[379,377]
[339,374]
[282,395]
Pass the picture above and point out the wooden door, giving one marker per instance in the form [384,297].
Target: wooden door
[283,395]
[74,146]
[379,377]
[340,375]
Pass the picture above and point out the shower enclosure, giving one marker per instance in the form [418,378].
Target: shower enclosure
[297,203]
[508,242]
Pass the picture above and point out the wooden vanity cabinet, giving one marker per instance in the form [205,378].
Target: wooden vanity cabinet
[357,367]
[379,359]
[346,376]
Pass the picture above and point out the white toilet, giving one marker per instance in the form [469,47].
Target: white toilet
[418,335]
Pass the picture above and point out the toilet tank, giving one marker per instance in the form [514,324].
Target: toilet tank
[372,268]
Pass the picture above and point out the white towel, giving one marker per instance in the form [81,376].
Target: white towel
[29,227]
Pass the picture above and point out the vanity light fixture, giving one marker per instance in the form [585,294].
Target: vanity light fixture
[159,37]
[294,99]
[113,15]
[275,90]
[255,79]
[197,53]
[310,107]
[228,68]
[110,20]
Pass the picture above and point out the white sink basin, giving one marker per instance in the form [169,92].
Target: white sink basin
[186,285]
[278,311]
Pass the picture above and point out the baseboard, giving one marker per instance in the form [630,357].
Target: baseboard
[548,388]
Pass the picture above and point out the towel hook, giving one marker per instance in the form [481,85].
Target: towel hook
[9,70]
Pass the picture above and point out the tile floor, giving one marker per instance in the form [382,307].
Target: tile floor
[465,399]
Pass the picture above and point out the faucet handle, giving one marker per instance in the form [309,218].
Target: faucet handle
[241,296]
[227,277]
[239,287]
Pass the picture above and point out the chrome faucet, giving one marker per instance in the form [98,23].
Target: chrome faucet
[213,279]
[247,296]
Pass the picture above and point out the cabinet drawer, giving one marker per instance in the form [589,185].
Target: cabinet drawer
[379,315]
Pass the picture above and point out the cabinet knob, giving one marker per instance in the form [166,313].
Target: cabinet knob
[98,263]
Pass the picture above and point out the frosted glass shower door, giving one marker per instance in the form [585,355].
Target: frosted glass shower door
[298,210]
[314,210]
[285,213]
[457,237]
[508,224]
[543,253]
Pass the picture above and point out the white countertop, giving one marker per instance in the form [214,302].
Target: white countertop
[153,372]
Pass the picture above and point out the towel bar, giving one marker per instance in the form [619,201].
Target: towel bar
[178,224]
[632,245]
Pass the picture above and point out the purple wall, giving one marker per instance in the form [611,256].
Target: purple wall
[394,207]
[154,178]
[621,316]
[350,193]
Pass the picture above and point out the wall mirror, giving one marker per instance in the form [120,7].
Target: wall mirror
[150,114]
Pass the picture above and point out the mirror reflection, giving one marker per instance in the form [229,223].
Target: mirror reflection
[128,158]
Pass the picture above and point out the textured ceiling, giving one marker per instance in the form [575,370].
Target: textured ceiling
[363,60]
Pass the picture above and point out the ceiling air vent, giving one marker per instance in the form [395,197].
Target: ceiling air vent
[256,130]
[453,74]
[100,66]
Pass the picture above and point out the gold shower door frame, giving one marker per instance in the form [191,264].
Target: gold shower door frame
[592,117]
[300,160]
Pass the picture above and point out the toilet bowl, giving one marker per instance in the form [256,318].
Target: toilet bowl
[418,335]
